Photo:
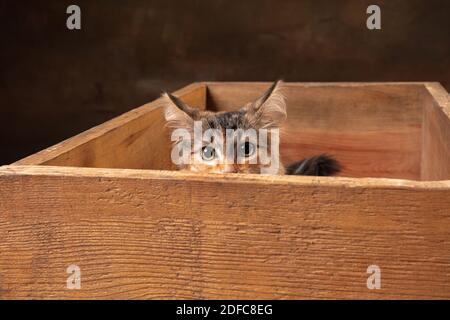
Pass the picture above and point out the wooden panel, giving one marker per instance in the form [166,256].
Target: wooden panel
[363,154]
[137,139]
[436,135]
[161,234]
[374,129]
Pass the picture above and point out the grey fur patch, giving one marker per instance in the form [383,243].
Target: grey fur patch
[227,120]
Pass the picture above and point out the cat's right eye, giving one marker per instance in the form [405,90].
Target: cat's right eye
[208,153]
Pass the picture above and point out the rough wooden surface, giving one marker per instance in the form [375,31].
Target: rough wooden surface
[436,135]
[137,139]
[374,129]
[161,234]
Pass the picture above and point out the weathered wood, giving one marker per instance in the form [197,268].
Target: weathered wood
[137,139]
[168,234]
[374,129]
[164,234]
[436,135]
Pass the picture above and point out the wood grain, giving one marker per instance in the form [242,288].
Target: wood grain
[390,130]
[144,234]
[436,135]
[373,129]
[137,139]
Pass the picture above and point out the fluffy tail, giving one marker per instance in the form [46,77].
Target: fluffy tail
[322,165]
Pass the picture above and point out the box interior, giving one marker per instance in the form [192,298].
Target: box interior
[374,130]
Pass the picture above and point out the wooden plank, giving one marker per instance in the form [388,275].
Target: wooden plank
[145,234]
[363,154]
[374,129]
[436,134]
[136,139]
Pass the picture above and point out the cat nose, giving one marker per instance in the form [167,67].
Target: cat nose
[230,169]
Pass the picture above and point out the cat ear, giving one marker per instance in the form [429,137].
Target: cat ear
[177,113]
[269,111]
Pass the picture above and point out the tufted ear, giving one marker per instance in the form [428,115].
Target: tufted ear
[177,113]
[269,111]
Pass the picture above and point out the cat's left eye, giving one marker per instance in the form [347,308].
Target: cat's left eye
[208,153]
[247,149]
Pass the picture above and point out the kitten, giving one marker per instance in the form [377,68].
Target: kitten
[268,112]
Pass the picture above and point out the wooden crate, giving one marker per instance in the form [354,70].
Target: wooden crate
[107,201]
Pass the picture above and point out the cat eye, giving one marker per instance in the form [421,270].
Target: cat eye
[247,149]
[208,153]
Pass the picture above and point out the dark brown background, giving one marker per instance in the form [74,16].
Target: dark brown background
[55,83]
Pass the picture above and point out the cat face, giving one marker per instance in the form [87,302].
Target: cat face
[243,141]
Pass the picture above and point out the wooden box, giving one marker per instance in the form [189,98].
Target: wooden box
[108,202]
